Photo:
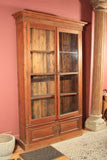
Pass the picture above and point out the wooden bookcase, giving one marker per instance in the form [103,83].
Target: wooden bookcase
[49,78]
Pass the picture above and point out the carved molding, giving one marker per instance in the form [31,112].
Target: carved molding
[99,4]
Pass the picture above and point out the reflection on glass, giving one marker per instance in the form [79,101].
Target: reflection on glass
[68,42]
[43,108]
[68,63]
[68,104]
[42,45]
[68,52]
[69,84]
[42,85]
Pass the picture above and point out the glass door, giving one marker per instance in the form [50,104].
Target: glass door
[68,73]
[43,73]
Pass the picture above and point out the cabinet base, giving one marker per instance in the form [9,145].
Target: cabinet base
[46,142]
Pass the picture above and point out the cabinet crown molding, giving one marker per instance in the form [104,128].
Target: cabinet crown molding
[29,15]
[99,4]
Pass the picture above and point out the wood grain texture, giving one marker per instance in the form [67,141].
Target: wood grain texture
[68,46]
[50,78]
[98,63]
[46,142]
[21,86]
[48,19]
[42,40]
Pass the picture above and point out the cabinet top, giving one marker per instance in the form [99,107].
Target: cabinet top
[46,18]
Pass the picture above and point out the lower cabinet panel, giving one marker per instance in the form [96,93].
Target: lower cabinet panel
[69,125]
[48,131]
[40,133]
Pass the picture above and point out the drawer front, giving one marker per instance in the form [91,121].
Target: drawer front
[70,125]
[40,133]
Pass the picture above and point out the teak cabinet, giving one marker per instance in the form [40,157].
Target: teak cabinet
[49,77]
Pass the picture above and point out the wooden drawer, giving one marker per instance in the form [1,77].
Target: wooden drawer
[70,125]
[40,133]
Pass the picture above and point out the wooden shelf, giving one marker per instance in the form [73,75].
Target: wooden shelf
[69,52]
[39,51]
[52,74]
[42,97]
[68,73]
[68,94]
[42,74]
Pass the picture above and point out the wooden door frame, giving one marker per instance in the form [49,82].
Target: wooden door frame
[79,112]
[50,118]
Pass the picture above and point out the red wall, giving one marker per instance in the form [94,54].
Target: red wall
[74,9]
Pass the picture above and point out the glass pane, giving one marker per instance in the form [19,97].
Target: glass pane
[69,83]
[68,52]
[42,85]
[43,108]
[68,42]
[42,45]
[68,104]
[68,62]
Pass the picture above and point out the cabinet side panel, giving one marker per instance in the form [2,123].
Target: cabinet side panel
[80,72]
[20,64]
